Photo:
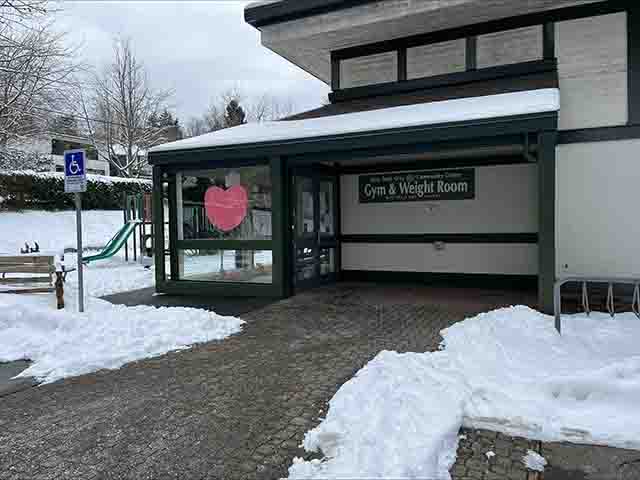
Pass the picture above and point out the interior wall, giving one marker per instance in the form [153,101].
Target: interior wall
[506,202]
[597,198]
[476,258]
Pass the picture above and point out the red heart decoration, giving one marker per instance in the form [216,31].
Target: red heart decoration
[226,209]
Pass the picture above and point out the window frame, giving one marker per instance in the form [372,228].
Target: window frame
[172,284]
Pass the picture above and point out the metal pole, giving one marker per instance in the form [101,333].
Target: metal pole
[79,256]
[557,306]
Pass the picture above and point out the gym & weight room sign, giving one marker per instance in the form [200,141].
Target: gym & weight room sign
[419,186]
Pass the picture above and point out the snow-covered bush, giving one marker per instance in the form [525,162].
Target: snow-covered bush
[15,159]
[45,190]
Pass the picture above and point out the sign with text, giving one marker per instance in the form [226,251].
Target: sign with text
[419,186]
[75,177]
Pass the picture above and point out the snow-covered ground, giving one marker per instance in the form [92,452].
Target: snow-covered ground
[67,343]
[64,343]
[507,370]
[55,231]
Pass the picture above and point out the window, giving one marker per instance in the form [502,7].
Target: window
[224,225]
[436,59]
[237,266]
[512,46]
[360,71]
[225,204]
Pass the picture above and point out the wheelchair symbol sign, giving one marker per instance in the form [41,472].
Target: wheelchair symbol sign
[74,163]
[75,180]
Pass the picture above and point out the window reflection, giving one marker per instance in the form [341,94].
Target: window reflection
[225,204]
[244,266]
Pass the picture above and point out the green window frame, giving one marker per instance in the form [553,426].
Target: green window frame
[172,284]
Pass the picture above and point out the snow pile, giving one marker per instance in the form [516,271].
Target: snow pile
[381,425]
[64,343]
[507,370]
[534,461]
[106,277]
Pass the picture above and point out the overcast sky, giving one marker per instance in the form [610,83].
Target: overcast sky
[200,49]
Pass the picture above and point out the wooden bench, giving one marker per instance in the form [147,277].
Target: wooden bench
[43,266]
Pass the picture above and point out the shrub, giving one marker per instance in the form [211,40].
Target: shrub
[45,191]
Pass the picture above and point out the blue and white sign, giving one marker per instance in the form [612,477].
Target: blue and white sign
[75,178]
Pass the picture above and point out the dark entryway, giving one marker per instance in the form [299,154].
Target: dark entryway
[314,223]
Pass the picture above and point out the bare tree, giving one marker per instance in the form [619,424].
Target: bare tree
[119,115]
[36,64]
[19,9]
[196,126]
[268,107]
[259,109]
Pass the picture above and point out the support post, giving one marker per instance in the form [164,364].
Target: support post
[471,53]
[78,199]
[402,64]
[173,230]
[59,289]
[549,41]
[125,204]
[633,63]
[279,225]
[547,219]
[335,73]
[157,232]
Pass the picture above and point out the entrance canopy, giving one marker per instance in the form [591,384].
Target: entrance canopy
[256,210]
[374,122]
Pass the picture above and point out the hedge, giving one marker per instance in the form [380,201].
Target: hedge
[45,191]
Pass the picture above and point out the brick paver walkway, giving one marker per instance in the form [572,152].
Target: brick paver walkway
[232,409]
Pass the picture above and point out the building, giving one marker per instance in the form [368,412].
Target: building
[61,142]
[53,145]
[469,140]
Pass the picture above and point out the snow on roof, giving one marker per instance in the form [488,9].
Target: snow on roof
[260,3]
[458,110]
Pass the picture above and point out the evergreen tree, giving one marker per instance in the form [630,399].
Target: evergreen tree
[234,114]
[167,122]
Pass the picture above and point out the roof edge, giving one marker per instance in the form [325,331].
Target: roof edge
[285,10]
[261,149]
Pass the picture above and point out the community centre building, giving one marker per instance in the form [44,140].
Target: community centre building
[465,140]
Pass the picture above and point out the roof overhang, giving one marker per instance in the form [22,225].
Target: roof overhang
[269,12]
[477,117]
[305,32]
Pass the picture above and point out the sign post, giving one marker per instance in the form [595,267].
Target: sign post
[75,181]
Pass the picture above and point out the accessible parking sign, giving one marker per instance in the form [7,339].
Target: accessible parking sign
[75,178]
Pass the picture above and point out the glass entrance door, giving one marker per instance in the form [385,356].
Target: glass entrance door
[314,217]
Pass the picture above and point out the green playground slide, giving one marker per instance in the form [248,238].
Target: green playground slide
[115,244]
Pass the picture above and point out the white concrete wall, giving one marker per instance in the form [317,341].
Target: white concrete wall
[597,216]
[592,66]
[506,202]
